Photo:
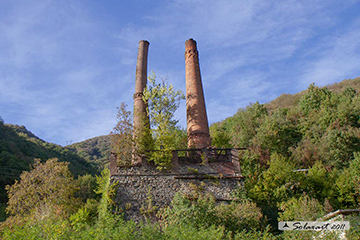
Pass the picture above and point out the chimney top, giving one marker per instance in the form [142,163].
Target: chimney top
[145,41]
[190,44]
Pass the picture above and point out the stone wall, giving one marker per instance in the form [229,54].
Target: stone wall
[138,184]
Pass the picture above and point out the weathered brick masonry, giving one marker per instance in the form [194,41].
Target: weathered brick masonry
[141,118]
[197,122]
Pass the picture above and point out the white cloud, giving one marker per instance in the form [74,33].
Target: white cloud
[65,70]
[339,61]
[248,49]
[53,82]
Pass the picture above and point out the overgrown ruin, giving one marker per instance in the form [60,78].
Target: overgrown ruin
[142,187]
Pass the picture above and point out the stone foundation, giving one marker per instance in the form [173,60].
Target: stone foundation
[140,185]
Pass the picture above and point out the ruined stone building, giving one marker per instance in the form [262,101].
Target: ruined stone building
[216,170]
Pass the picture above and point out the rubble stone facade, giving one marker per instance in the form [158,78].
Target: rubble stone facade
[142,189]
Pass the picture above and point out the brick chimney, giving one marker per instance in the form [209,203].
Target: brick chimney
[141,118]
[197,122]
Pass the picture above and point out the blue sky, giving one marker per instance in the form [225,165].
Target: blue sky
[66,65]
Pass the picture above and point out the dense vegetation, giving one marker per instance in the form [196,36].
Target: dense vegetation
[165,135]
[18,149]
[315,131]
[156,133]
[302,161]
[47,204]
[95,150]
[57,208]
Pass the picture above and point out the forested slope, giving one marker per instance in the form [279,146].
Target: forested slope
[302,162]
[317,130]
[304,126]
[290,100]
[19,147]
[95,150]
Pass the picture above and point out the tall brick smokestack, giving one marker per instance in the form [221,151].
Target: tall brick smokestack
[141,118]
[197,122]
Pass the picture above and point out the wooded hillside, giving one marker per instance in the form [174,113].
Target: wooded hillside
[18,149]
[95,150]
[307,144]
[302,162]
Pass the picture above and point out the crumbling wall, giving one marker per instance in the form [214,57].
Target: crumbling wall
[141,189]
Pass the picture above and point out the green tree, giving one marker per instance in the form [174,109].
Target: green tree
[278,133]
[338,145]
[220,136]
[46,191]
[245,123]
[108,191]
[121,135]
[204,213]
[304,208]
[278,183]
[239,215]
[163,100]
[316,182]
[314,99]
[86,186]
[347,185]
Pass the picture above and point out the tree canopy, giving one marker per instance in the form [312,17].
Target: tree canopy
[163,101]
[48,189]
